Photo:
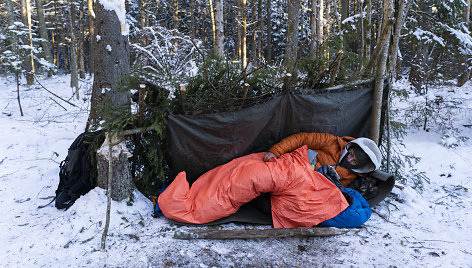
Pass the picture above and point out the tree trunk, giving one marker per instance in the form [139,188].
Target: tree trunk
[316,27]
[143,20]
[402,13]
[467,14]
[259,29]
[327,31]
[253,36]
[74,76]
[344,15]
[418,69]
[213,23]
[244,35]
[80,42]
[291,47]
[193,19]
[368,28]
[121,183]
[44,34]
[11,22]
[92,40]
[269,31]
[111,61]
[29,62]
[111,64]
[219,30]
[380,76]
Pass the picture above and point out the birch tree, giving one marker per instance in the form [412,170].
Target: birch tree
[219,28]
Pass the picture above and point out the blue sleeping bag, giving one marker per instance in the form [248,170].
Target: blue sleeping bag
[353,216]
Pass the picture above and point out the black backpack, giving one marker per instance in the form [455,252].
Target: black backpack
[78,172]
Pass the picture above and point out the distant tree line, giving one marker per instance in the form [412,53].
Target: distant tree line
[430,39]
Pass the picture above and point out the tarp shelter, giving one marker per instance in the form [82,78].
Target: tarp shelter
[199,142]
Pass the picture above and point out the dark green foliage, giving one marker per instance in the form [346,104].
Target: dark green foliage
[147,164]
[220,84]
[310,69]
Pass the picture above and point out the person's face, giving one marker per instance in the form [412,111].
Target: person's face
[351,158]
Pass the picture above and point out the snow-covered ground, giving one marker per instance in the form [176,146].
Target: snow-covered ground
[432,228]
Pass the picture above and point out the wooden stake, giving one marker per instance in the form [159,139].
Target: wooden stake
[110,175]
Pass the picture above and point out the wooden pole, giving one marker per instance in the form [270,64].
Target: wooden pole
[258,233]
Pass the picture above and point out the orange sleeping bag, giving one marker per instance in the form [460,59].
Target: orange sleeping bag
[300,197]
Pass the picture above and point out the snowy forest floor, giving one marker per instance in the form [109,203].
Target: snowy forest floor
[411,228]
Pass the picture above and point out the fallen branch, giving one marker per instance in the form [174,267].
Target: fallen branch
[258,233]
[68,102]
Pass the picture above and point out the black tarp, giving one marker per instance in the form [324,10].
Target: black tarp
[199,142]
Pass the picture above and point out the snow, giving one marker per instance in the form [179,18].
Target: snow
[410,228]
[118,6]
[108,48]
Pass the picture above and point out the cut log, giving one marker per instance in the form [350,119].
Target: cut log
[258,233]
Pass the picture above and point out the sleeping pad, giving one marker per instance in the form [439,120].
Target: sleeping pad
[300,197]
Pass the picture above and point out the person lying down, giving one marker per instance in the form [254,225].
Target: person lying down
[300,196]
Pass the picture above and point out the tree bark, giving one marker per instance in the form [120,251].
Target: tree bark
[466,13]
[44,34]
[121,181]
[269,31]
[11,22]
[380,76]
[92,40]
[219,29]
[244,35]
[402,13]
[291,48]
[368,29]
[419,62]
[193,19]
[74,76]
[111,61]
[80,42]
[260,30]
[29,62]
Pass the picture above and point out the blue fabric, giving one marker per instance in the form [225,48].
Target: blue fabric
[353,216]
[157,210]
[312,156]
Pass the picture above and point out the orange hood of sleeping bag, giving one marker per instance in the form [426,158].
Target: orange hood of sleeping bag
[300,197]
